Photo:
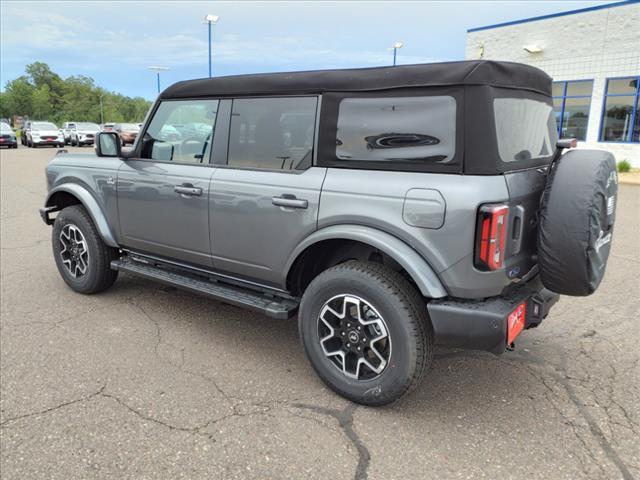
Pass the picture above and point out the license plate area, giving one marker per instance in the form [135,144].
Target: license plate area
[516,321]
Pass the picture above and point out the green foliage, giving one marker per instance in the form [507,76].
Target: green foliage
[41,94]
[624,166]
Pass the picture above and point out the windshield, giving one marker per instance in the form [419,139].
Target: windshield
[133,127]
[87,126]
[43,126]
[526,129]
[4,127]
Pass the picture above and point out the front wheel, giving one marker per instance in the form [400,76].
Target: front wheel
[82,258]
[366,332]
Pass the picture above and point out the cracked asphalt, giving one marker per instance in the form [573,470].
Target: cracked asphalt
[145,381]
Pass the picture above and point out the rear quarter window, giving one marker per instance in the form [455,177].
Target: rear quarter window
[420,129]
[525,129]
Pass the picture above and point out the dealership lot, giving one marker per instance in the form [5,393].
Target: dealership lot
[145,381]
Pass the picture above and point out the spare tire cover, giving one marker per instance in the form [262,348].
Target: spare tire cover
[577,213]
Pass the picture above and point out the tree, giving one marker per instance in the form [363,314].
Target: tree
[41,100]
[19,96]
[42,94]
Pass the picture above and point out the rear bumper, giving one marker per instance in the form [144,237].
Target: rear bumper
[482,324]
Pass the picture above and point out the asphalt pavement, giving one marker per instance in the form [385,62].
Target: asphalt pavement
[148,382]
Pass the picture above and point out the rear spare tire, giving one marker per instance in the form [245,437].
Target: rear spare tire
[576,221]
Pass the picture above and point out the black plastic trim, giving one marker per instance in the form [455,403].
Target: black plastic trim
[482,325]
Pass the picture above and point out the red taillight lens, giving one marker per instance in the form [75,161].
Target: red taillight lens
[491,237]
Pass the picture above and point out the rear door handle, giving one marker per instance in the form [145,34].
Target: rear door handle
[188,190]
[289,201]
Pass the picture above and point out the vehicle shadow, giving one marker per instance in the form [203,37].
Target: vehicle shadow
[455,379]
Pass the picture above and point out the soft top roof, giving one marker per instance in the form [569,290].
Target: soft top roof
[471,72]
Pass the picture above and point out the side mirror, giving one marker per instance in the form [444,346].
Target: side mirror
[107,144]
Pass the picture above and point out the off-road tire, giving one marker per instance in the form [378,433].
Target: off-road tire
[405,315]
[99,275]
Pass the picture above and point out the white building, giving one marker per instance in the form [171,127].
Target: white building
[593,56]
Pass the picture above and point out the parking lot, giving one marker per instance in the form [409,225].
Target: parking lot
[146,381]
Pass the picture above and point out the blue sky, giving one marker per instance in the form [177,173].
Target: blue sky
[114,42]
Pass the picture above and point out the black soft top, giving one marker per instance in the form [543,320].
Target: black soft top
[471,72]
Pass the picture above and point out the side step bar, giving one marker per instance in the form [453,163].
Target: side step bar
[275,307]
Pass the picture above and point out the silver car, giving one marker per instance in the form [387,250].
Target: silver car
[389,209]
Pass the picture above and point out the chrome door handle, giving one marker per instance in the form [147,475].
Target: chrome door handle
[187,190]
[289,201]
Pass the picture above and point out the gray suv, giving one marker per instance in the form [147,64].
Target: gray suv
[391,209]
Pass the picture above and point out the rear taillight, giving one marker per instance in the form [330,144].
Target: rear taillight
[491,236]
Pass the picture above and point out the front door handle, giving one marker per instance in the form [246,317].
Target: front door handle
[289,201]
[188,190]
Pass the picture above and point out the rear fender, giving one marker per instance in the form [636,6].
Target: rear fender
[416,266]
[89,202]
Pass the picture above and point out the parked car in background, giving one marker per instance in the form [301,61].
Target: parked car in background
[22,130]
[66,131]
[84,133]
[127,131]
[42,133]
[7,136]
[107,127]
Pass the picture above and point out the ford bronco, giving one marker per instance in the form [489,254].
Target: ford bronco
[391,209]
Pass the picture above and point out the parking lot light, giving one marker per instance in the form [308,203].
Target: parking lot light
[158,69]
[209,20]
[396,46]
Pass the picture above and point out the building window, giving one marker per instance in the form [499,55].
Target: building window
[571,102]
[620,115]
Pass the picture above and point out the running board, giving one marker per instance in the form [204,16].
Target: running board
[275,307]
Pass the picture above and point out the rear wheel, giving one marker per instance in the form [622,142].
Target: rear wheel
[365,331]
[82,258]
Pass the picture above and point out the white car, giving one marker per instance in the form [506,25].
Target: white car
[67,127]
[84,133]
[43,133]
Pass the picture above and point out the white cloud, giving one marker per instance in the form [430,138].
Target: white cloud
[28,35]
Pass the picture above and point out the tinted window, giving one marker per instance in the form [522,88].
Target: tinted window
[169,137]
[272,133]
[397,128]
[43,126]
[572,102]
[88,126]
[620,110]
[526,129]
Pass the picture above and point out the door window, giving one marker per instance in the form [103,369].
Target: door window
[272,133]
[181,131]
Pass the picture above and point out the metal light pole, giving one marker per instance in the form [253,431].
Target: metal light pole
[210,19]
[101,111]
[158,70]
[396,46]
